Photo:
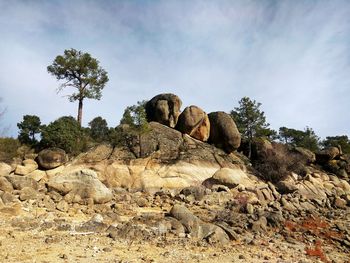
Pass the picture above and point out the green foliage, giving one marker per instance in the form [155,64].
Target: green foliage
[250,120]
[341,140]
[307,138]
[135,117]
[8,149]
[28,128]
[82,72]
[99,129]
[65,133]
[132,125]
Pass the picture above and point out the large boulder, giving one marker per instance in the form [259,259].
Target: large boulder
[164,108]
[52,158]
[194,122]
[327,154]
[223,131]
[230,177]
[79,186]
[5,169]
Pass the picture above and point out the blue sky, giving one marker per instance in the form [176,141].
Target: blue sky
[292,56]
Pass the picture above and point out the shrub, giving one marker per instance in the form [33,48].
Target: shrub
[8,149]
[65,133]
[275,163]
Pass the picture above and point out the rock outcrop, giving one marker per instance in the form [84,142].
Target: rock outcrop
[223,131]
[194,122]
[164,108]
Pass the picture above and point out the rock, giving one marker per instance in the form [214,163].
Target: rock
[96,154]
[5,169]
[197,228]
[223,132]
[197,192]
[194,122]
[340,203]
[62,206]
[250,209]
[286,187]
[52,158]
[232,177]
[8,198]
[37,175]
[81,184]
[19,182]
[28,166]
[260,225]
[327,154]
[164,108]
[5,185]
[28,193]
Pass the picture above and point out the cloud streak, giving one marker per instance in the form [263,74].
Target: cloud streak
[291,56]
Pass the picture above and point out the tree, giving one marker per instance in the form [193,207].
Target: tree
[65,133]
[99,129]
[28,128]
[297,138]
[135,116]
[82,72]
[342,140]
[250,120]
[132,125]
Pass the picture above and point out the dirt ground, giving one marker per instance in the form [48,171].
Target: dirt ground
[35,235]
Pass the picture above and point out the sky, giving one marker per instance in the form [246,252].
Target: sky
[291,56]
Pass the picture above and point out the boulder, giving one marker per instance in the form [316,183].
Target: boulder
[286,186]
[19,182]
[79,186]
[96,154]
[230,177]
[164,108]
[327,154]
[194,122]
[28,166]
[223,132]
[5,169]
[5,185]
[198,228]
[37,175]
[52,158]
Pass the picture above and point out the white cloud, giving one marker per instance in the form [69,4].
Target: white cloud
[291,56]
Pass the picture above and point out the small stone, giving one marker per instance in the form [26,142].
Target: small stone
[107,249]
[28,193]
[62,206]
[339,202]
[250,209]
[241,256]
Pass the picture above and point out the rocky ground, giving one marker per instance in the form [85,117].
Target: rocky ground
[140,227]
[167,197]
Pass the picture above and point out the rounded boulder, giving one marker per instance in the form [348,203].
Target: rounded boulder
[164,108]
[194,122]
[52,158]
[223,132]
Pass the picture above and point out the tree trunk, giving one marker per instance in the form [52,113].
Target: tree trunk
[80,111]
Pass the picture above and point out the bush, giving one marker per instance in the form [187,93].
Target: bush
[277,162]
[65,133]
[8,149]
